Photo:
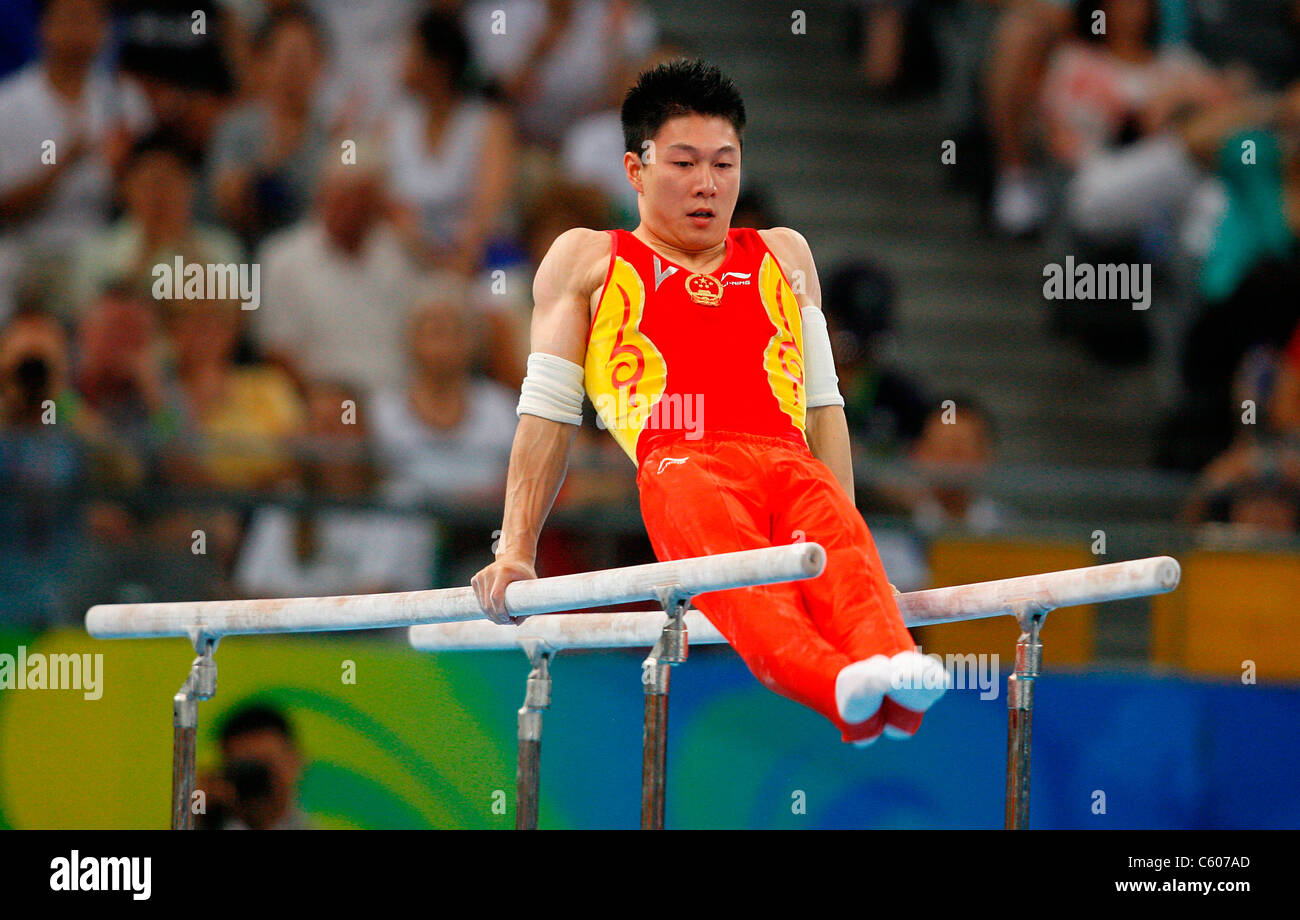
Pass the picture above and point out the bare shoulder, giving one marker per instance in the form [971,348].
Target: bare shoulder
[788,245]
[576,263]
[795,257]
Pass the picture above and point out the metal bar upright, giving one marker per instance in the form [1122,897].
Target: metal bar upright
[537,699]
[1020,712]
[200,684]
[670,650]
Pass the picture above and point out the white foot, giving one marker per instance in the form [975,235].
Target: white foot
[860,688]
[917,681]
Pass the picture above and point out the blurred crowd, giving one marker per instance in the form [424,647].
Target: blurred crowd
[1150,132]
[394,170]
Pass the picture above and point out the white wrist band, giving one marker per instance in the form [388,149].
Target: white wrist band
[552,389]
[820,379]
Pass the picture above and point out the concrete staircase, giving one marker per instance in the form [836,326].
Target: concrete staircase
[863,178]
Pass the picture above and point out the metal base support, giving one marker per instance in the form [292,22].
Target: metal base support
[671,649]
[537,699]
[201,684]
[1020,713]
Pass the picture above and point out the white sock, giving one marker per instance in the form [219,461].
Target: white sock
[860,688]
[917,681]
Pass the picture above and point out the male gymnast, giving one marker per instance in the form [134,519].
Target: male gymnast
[705,353]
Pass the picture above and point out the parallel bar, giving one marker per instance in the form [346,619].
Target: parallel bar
[771,564]
[1092,585]
[627,629]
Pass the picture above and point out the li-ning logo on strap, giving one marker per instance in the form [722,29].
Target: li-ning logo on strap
[662,274]
[670,461]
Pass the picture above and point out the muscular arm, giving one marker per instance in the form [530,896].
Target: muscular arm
[539,456]
[825,427]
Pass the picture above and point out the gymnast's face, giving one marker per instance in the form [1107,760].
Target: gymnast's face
[689,184]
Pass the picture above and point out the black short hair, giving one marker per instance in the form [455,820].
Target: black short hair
[675,88]
[255,717]
[442,39]
[966,404]
[163,140]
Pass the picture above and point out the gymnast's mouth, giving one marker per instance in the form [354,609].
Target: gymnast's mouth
[701,217]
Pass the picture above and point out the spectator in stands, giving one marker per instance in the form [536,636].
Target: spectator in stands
[256,785]
[1251,145]
[64,125]
[593,146]
[556,207]
[560,59]
[134,404]
[952,456]
[1109,103]
[334,287]
[158,191]
[185,72]
[941,488]
[367,41]
[34,372]
[39,450]
[130,410]
[1251,490]
[267,153]
[450,151]
[1248,279]
[445,435]
[1027,32]
[334,550]
[885,410]
[244,416]
[1265,508]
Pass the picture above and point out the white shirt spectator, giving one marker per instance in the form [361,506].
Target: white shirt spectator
[368,42]
[593,155]
[357,550]
[577,75]
[420,462]
[342,318]
[438,185]
[32,114]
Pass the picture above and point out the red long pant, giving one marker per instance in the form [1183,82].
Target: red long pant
[739,491]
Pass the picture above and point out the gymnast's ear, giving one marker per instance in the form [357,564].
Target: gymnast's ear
[633,164]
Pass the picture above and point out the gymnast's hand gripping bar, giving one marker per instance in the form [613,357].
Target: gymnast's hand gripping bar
[685,577]
[633,629]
